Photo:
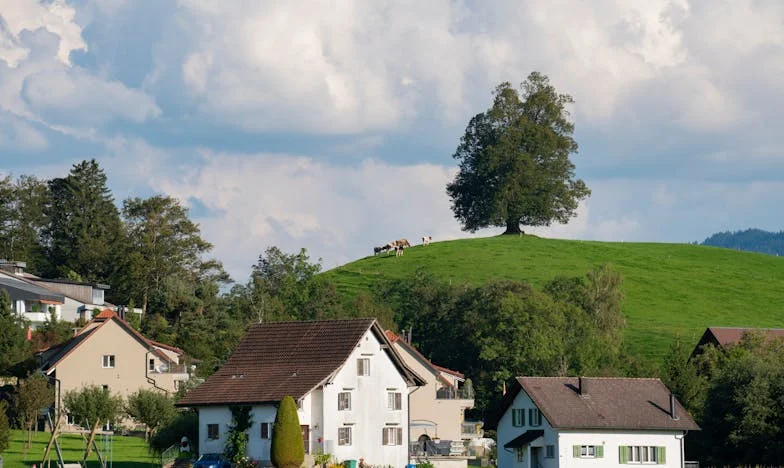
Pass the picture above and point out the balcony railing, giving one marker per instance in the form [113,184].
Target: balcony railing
[449,393]
[442,448]
[169,369]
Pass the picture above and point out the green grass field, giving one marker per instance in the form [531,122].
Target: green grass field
[128,452]
[669,288]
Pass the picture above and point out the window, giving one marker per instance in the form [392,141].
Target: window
[212,431]
[394,401]
[151,365]
[518,417]
[642,454]
[344,436]
[266,430]
[520,452]
[363,366]
[105,388]
[108,361]
[588,451]
[392,435]
[344,401]
[549,451]
[534,417]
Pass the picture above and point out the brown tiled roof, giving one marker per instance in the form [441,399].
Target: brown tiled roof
[608,403]
[287,358]
[726,336]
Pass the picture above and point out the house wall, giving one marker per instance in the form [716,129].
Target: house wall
[84,365]
[564,440]
[71,310]
[447,415]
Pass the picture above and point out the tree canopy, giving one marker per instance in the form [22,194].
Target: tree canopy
[514,165]
[151,408]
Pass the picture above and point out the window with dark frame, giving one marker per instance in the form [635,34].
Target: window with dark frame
[363,366]
[518,417]
[266,430]
[344,401]
[212,431]
[344,436]
[549,451]
[108,361]
[534,417]
[151,365]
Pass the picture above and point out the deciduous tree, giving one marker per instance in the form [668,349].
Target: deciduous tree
[151,408]
[514,161]
[92,407]
[33,395]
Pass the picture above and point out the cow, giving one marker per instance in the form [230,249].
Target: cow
[426,240]
[399,250]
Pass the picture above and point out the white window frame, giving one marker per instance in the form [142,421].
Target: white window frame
[363,366]
[394,401]
[108,361]
[392,435]
[344,401]
[643,455]
[344,436]
[587,451]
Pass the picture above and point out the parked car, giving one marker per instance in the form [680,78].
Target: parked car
[212,460]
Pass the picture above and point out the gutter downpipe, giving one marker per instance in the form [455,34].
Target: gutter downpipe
[683,449]
[408,444]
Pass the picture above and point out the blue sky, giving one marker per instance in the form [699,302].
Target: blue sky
[331,125]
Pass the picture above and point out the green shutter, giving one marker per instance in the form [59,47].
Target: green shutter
[661,458]
[623,454]
[530,417]
[599,451]
[538,418]
[576,451]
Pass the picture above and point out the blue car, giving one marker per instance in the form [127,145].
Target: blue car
[212,460]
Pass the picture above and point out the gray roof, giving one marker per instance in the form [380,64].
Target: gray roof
[23,291]
[605,403]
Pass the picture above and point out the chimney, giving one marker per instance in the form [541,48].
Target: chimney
[10,266]
[409,334]
[673,408]
[582,386]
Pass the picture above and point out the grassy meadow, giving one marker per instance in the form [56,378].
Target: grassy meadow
[669,288]
[128,452]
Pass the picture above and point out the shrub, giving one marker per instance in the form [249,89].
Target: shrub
[184,424]
[5,430]
[288,449]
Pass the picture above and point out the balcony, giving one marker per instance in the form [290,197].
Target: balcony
[450,393]
[471,430]
[169,369]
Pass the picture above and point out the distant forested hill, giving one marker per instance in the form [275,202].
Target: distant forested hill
[750,240]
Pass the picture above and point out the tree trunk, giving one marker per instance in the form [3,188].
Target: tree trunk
[90,440]
[513,226]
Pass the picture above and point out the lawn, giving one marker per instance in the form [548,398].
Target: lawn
[669,288]
[127,452]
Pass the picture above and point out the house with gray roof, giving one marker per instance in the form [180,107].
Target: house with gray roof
[576,422]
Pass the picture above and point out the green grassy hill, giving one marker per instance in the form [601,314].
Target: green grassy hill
[669,288]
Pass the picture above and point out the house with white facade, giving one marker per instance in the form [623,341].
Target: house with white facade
[351,387]
[30,301]
[438,407]
[576,422]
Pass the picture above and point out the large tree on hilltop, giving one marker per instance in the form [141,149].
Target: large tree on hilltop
[84,224]
[514,161]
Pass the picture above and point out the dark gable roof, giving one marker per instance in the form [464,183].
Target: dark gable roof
[611,403]
[287,358]
[524,439]
[24,291]
[727,336]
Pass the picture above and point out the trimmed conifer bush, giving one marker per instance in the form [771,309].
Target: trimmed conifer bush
[288,449]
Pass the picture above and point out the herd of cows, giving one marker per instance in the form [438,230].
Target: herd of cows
[398,245]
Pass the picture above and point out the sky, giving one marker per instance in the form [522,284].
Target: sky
[331,125]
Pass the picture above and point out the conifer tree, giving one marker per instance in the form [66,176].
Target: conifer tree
[288,449]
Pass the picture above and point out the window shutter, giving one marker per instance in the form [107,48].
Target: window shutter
[398,401]
[623,454]
[661,455]
[576,451]
[538,418]
[514,418]
[399,431]
[385,436]
[599,451]
[530,417]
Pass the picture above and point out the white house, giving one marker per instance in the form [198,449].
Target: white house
[577,422]
[350,384]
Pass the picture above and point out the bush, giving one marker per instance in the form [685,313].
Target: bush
[288,449]
[184,424]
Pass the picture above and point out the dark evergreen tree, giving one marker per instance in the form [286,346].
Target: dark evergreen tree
[84,225]
[14,347]
[514,161]
[287,449]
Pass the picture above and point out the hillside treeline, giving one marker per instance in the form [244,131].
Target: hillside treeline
[750,240]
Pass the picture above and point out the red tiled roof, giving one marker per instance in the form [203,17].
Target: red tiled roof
[105,314]
[608,403]
[286,358]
